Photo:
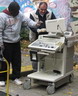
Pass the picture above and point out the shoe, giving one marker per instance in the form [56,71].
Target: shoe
[18,82]
[2,83]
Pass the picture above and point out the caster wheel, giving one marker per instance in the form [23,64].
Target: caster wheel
[50,89]
[27,84]
[71,77]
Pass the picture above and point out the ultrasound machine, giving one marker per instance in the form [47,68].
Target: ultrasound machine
[54,54]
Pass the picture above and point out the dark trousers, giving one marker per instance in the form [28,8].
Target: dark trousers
[12,53]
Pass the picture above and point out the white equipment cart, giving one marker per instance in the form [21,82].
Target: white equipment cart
[54,54]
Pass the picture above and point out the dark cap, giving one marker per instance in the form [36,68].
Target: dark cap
[14,8]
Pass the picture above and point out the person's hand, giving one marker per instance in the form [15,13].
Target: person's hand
[39,23]
[1,49]
[41,30]
[1,52]
[38,30]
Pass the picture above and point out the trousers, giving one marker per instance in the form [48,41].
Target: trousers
[12,53]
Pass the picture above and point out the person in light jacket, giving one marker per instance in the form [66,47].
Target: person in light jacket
[11,20]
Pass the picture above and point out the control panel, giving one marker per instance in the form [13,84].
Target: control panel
[48,43]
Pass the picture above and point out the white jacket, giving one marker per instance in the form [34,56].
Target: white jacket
[36,17]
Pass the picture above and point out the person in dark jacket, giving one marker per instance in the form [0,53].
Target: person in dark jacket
[41,14]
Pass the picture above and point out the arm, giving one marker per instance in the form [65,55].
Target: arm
[29,22]
[33,29]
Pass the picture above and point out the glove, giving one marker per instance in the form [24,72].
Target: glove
[38,30]
[41,30]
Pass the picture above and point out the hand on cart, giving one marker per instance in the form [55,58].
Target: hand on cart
[42,31]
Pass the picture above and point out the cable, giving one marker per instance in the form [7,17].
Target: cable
[58,26]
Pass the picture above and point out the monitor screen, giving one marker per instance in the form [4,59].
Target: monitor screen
[55,25]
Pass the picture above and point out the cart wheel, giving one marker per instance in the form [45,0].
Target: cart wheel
[71,77]
[50,89]
[27,84]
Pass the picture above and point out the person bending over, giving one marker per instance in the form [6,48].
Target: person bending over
[11,20]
